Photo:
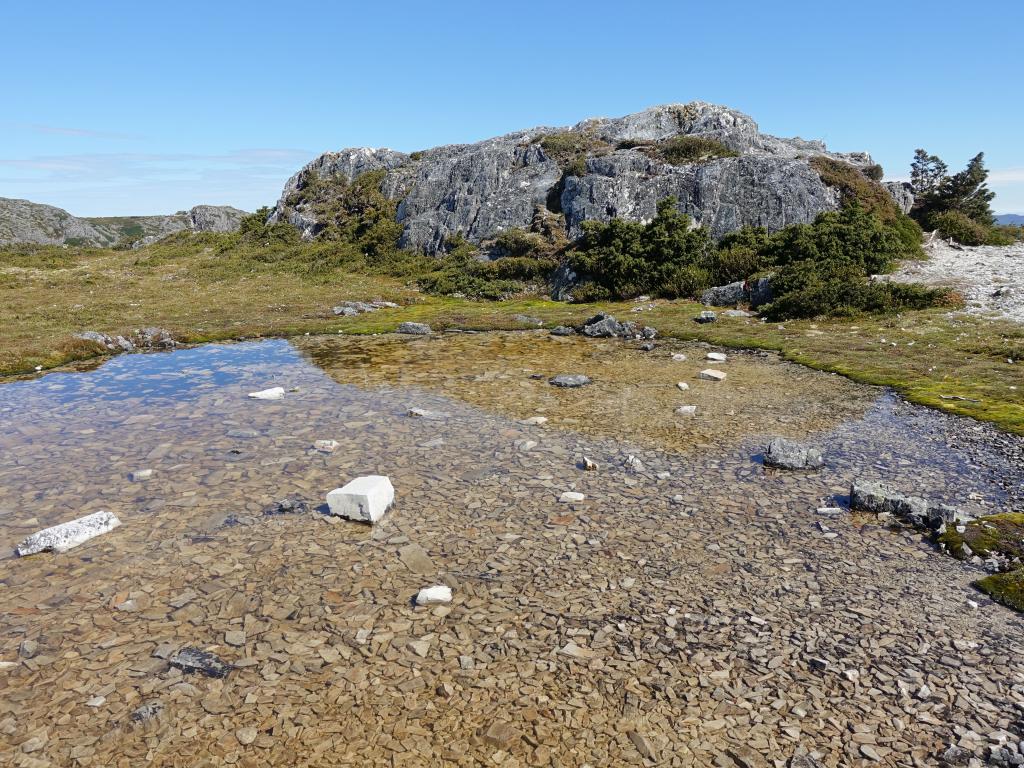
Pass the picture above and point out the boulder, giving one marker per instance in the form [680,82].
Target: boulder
[569,380]
[787,454]
[760,289]
[603,326]
[706,317]
[61,538]
[725,295]
[415,329]
[434,595]
[880,499]
[365,499]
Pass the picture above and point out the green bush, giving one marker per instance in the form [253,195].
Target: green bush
[967,231]
[663,257]
[570,149]
[837,288]
[874,172]
[732,263]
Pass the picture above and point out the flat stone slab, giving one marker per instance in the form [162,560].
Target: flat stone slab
[274,393]
[61,538]
[365,499]
[569,380]
[710,374]
[416,559]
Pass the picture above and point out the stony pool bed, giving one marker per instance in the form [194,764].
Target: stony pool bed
[693,606]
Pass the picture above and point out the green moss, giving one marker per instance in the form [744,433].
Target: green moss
[1005,588]
[570,149]
[994,534]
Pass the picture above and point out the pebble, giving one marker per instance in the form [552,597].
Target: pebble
[570,497]
[246,735]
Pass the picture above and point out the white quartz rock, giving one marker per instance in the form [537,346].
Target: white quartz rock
[711,374]
[686,410]
[434,595]
[326,446]
[274,393]
[61,538]
[366,498]
[571,496]
[718,357]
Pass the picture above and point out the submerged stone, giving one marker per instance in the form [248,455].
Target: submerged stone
[192,659]
[61,538]
[569,380]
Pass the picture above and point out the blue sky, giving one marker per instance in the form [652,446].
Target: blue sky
[113,108]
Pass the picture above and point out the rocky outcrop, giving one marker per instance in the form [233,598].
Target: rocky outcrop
[902,193]
[598,169]
[22,221]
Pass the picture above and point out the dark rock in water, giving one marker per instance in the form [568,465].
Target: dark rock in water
[877,498]
[760,290]
[192,659]
[147,711]
[706,317]
[570,380]
[417,329]
[289,506]
[602,326]
[528,320]
[563,330]
[725,295]
[787,454]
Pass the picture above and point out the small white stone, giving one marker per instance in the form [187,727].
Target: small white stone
[664,475]
[683,385]
[571,496]
[710,374]
[434,595]
[366,498]
[718,357]
[679,357]
[139,475]
[274,393]
[96,701]
[526,445]
[326,446]
[686,410]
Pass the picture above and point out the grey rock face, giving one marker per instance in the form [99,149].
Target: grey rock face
[760,290]
[902,193]
[22,221]
[787,454]
[725,295]
[478,190]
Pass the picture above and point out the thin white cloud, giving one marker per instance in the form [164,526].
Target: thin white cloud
[1006,176]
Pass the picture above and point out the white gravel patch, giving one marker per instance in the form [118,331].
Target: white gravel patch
[990,278]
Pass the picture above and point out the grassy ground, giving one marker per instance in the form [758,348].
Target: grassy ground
[46,295]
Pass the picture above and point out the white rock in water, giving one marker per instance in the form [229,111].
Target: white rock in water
[683,385]
[570,496]
[434,595]
[274,393]
[326,446]
[679,357]
[366,498]
[710,374]
[718,357]
[139,475]
[686,410]
[534,421]
[61,538]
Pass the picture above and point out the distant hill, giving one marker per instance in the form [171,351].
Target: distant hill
[1010,219]
[22,221]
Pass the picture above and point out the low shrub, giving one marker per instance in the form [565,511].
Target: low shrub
[680,150]
[967,231]
[570,149]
